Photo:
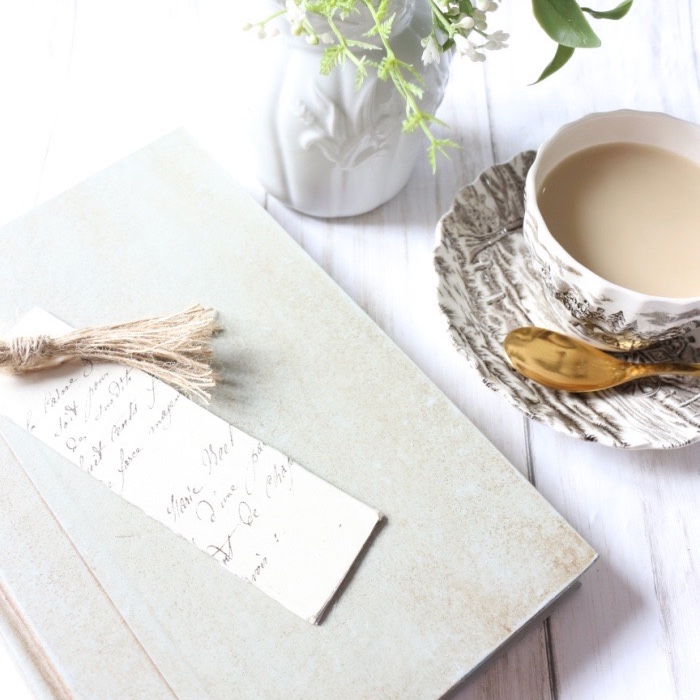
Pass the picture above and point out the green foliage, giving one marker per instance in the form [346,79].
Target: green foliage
[565,22]
[332,57]
[563,54]
[458,25]
[616,13]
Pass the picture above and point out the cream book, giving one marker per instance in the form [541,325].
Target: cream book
[257,511]
[101,600]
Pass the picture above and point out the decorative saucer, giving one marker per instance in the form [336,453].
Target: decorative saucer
[487,287]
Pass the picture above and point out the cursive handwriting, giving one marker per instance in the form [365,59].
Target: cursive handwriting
[166,415]
[126,459]
[54,397]
[228,496]
[66,417]
[262,563]
[247,513]
[94,458]
[224,552]
[179,504]
[281,476]
[214,456]
[205,511]
[92,391]
[118,386]
[123,421]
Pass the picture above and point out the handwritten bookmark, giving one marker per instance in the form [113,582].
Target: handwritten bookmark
[262,515]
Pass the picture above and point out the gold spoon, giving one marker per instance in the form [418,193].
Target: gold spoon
[561,362]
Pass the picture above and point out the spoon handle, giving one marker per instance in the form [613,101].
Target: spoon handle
[652,369]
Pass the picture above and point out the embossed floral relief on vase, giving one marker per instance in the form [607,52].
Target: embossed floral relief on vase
[325,146]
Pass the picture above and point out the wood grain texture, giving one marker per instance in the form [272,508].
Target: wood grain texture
[83,84]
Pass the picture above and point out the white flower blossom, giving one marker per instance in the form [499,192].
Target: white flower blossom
[497,40]
[464,46]
[431,53]
[296,12]
[467,48]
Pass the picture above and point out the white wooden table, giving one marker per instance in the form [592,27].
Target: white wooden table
[84,84]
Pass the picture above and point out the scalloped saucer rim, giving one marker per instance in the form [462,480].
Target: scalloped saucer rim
[486,287]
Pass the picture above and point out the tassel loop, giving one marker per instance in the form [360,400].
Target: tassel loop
[26,353]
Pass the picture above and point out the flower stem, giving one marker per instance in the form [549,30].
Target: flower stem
[415,116]
[342,42]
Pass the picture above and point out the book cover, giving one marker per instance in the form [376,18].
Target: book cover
[469,552]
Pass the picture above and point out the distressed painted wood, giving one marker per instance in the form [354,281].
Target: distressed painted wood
[83,84]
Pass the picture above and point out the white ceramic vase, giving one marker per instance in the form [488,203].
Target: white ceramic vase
[322,146]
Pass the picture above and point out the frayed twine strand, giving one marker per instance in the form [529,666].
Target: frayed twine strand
[175,349]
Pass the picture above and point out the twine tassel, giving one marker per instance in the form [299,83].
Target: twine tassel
[175,349]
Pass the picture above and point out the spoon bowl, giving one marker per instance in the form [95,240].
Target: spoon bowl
[561,362]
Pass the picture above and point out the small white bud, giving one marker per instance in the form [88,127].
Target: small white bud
[466,22]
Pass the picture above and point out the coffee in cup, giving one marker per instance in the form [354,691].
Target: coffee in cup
[612,222]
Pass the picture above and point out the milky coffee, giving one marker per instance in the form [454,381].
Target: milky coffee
[631,214]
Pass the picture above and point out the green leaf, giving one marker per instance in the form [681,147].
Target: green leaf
[382,10]
[385,68]
[361,45]
[616,13]
[386,27]
[564,21]
[412,122]
[439,146]
[415,90]
[435,121]
[360,74]
[410,69]
[432,158]
[332,57]
[563,54]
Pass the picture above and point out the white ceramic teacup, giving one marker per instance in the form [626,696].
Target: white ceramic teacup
[602,312]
